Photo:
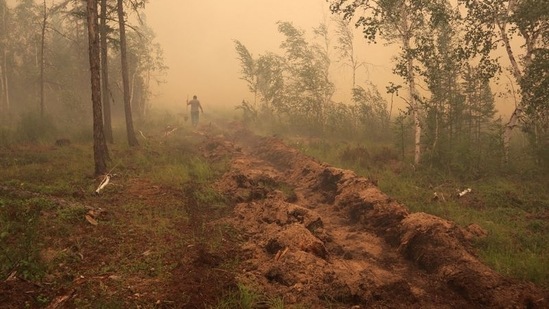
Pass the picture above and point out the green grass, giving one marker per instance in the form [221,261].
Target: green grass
[244,298]
[20,236]
[46,192]
[247,298]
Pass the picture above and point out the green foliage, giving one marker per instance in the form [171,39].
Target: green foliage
[248,66]
[206,196]
[371,112]
[295,91]
[247,298]
[19,236]
[243,298]
[200,170]
[171,174]
[403,134]
[535,90]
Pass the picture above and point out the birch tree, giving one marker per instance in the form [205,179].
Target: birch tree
[264,77]
[146,64]
[397,22]
[535,86]
[346,48]
[496,24]
[308,85]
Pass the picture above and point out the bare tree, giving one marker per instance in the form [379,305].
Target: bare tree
[132,140]
[100,151]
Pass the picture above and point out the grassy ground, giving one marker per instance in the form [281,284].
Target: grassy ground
[513,209]
[144,241]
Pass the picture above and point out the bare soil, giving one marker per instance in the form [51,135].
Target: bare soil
[311,234]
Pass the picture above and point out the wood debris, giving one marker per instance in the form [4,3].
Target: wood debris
[103,183]
[280,254]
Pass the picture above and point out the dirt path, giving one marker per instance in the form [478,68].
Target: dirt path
[323,237]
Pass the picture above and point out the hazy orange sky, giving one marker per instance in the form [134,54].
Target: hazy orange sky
[197,37]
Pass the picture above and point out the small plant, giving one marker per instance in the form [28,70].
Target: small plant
[19,233]
[244,298]
[200,170]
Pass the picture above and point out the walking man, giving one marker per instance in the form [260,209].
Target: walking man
[195,106]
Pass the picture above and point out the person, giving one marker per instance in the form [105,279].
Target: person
[195,107]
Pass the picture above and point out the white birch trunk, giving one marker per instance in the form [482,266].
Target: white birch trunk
[6,82]
[517,74]
[413,103]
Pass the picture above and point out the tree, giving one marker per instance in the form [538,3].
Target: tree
[371,111]
[322,55]
[399,22]
[535,89]
[42,57]
[4,86]
[145,63]
[248,68]
[265,80]
[346,48]
[100,151]
[105,73]
[497,23]
[308,86]
[271,84]
[24,49]
[132,140]
[440,69]
[67,85]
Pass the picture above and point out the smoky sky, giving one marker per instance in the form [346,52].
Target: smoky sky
[198,36]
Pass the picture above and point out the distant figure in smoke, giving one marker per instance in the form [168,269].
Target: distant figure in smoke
[195,106]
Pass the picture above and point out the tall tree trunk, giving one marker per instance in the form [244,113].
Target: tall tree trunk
[100,151]
[105,75]
[417,120]
[42,61]
[517,74]
[4,97]
[413,101]
[132,140]
[406,36]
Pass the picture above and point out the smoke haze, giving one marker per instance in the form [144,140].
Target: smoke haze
[198,41]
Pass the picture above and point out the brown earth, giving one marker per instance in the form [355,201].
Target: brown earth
[314,235]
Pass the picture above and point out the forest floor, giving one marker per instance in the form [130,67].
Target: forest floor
[298,234]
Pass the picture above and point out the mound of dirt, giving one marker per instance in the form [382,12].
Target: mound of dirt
[321,236]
